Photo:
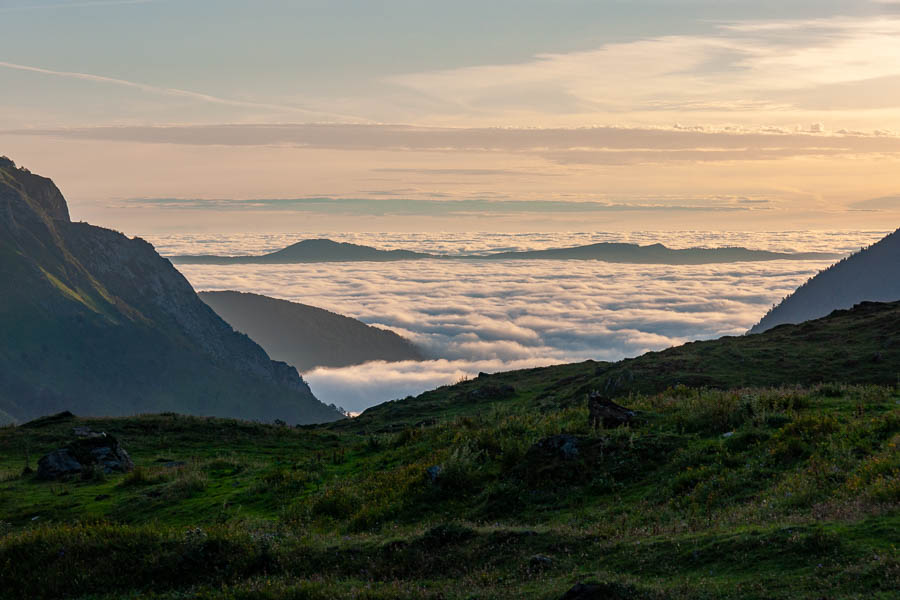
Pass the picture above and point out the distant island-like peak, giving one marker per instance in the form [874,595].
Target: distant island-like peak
[325,250]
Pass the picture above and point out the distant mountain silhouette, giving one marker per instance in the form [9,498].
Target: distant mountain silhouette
[99,324]
[309,251]
[306,336]
[872,274]
[655,254]
[322,250]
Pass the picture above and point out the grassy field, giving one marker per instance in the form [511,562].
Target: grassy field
[788,492]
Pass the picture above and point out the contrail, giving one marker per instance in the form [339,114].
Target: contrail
[167,91]
[73,5]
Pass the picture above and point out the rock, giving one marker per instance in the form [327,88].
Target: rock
[59,464]
[433,472]
[491,392]
[100,450]
[604,411]
[446,534]
[539,562]
[600,591]
[84,431]
[563,445]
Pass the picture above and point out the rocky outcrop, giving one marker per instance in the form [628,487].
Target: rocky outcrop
[600,591]
[562,446]
[94,450]
[40,189]
[604,412]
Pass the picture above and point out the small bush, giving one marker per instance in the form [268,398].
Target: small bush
[336,502]
[188,482]
[142,476]
[447,533]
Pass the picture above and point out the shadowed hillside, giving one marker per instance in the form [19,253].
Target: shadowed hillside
[871,274]
[306,336]
[496,488]
[857,346]
[97,323]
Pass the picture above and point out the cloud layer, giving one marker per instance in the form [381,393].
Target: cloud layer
[499,316]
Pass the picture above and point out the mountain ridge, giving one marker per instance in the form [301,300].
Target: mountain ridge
[97,323]
[325,250]
[856,346]
[872,274]
[306,336]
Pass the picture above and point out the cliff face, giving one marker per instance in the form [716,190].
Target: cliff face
[872,274]
[97,323]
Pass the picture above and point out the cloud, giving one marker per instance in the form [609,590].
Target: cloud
[501,316]
[764,71]
[429,206]
[166,91]
[95,3]
[583,145]
[888,203]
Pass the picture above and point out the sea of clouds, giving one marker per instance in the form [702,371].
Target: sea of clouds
[474,316]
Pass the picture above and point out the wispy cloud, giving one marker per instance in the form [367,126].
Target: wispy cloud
[445,207]
[97,3]
[759,71]
[170,91]
[583,145]
[884,203]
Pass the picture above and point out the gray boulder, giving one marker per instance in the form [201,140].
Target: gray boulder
[97,451]
[564,446]
[58,465]
[601,591]
[605,412]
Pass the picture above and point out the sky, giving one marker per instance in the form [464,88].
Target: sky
[163,116]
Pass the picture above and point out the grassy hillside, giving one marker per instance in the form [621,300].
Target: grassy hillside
[497,487]
[754,493]
[759,467]
[858,346]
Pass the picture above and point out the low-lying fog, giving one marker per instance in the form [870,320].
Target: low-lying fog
[476,316]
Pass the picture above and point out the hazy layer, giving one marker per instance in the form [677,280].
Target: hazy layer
[515,314]
[486,243]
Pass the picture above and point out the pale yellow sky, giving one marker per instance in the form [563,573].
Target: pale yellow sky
[752,117]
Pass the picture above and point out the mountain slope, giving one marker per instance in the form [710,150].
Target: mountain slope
[322,250]
[871,274]
[856,346]
[99,324]
[306,336]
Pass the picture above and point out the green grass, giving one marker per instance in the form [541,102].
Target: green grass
[749,493]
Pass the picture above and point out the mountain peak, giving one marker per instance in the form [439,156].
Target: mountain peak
[872,274]
[40,190]
[100,324]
